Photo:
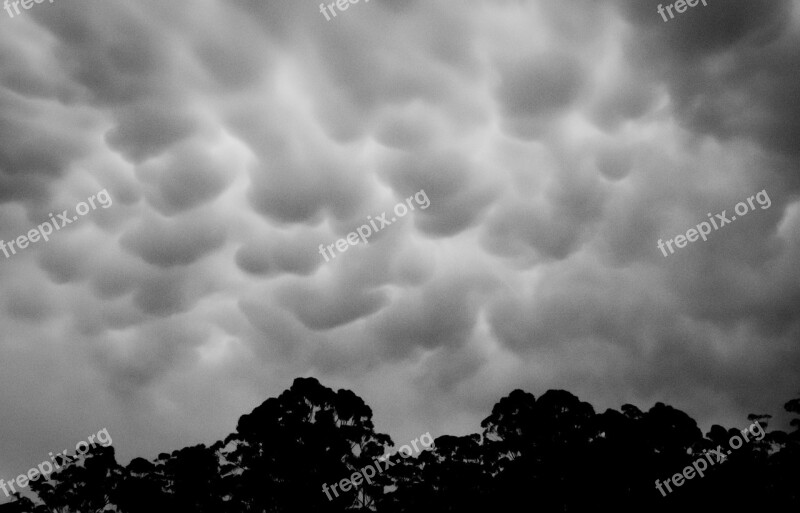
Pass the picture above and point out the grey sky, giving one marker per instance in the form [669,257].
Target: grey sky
[557,140]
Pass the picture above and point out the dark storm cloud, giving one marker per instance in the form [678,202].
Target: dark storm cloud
[137,362]
[145,130]
[121,60]
[409,129]
[557,141]
[443,315]
[189,176]
[38,146]
[25,301]
[111,49]
[164,294]
[167,243]
[295,252]
[729,66]
[254,258]
[293,185]
[540,86]
[450,181]
[327,308]
[64,263]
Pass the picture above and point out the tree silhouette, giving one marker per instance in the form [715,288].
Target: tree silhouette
[552,454]
[287,448]
[83,484]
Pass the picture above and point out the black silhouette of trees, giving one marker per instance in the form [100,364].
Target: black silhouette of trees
[552,454]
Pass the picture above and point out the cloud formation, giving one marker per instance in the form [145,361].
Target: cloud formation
[557,142]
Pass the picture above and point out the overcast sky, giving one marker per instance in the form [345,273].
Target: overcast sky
[557,141]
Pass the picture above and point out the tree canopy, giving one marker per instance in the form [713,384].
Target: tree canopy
[552,453]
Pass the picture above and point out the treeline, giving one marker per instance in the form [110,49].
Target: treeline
[551,454]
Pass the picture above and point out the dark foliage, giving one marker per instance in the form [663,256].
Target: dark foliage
[551,454]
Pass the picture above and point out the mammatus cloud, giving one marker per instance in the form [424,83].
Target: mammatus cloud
[557,142]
